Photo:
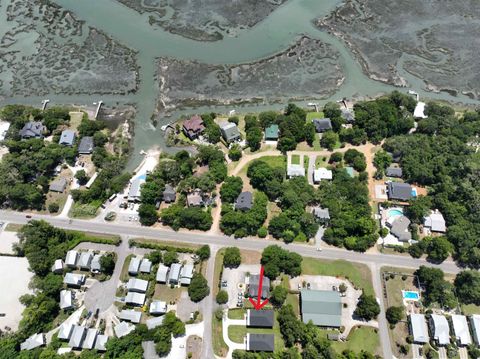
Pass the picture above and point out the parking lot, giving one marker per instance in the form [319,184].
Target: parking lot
[235,281]
[7,239]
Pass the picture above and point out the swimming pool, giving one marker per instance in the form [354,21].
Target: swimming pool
[394,212]
[410,295]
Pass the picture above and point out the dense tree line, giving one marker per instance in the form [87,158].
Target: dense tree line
[277,260]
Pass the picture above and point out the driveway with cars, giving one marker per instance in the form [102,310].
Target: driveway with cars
[235,277]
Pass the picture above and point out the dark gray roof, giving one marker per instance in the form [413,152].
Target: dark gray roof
[260,318]
[67,137]
[394,172]
[244,201]
[58,185]
[254,283]
[260,342]
[322,124]
[399,228]
[32,129]
[348,115]
[169,194]
[86,145]
[400,191]
[230,132]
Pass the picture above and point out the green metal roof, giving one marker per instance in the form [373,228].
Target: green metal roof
[322,307]
[271,132]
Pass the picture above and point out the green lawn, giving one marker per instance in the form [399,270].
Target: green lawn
[394,289]
[275,161]
[295,159]
[84,211]
[358,274]
[360,338]
[470,309]
[219,346]
[320,162]
[313,115]
[236,313]
[217,271]
[124,273]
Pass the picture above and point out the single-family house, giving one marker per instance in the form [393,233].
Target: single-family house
[57,266]
[77,337]
[66,299]
[348,115]
[435,222]
[244,201]
[193,127]
[418,328]
[475,324]
[32,129]
[85,260]
[65,331]
[460,330]
[169,194]
[260,342]
[67,138]
[123,328]
[162,273]
[186,274]
[59,185]
[322,124]
[195,199]
[322,174]
[101,342]
[137,285]
[95,265]
[136,299]
[295,171]
[145,266]
[322,215]
[174,276]
[440,329]
[134,192]
[254,284]
[322,307]
[154,322]
[271,132]
[134,266]
[158,307]
[74,280]
[230,132]
[399,227]
[399,191]
[90,337]
[130,315]
[260,318]
[85,147]
[32,342]
[394,172]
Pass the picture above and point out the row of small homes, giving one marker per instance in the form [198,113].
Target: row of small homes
[439,329]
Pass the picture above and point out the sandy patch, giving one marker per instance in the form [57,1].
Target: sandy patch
[7,239]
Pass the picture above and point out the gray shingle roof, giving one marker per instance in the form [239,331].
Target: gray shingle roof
[260,318]
[169,194]
[399,191]
[260,342]
[58,185]
[322,124]
[254,283]
[244,201]
[400,228]
[86,145]
[230,132]
[394,172]
[32,129]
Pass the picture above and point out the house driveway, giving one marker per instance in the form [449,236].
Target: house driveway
[226,322]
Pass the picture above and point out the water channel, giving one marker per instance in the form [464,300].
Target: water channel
[274,34]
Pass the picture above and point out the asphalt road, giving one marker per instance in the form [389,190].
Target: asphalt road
[374,260]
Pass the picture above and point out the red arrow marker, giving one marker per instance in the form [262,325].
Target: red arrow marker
[259,304]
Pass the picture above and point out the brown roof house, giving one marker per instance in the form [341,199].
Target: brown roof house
[193,127]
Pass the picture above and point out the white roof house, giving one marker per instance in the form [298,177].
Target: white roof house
[65,331]
[134,266]
[76,339]
[101,342]
[66,301]
[418,328]
[130,315]
[135,188]
[137,285]
[95,265]
[295,170]
[57,266]
[145,266]
[74,279]
[35,341]
[174,276]
[89,340]
[85,260]
[158,307]
[154,322]
[440,329]
[435,222]
[460,330]
[322,174]
[123,328]
[134,298]
[71,259]
[162,273]
[419,111]
[186,274]
[475,323]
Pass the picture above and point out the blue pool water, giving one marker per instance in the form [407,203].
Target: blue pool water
[410,295]
[394,213]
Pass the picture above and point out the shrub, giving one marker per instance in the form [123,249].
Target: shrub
[222,297]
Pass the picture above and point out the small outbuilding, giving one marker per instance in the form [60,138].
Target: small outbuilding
[394,172]
[158,307]
[71,259]
[130,315]
[66,299]
[162,273]
[145,266]
[322,174]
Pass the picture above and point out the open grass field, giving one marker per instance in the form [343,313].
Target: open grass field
[313,115]
[275,161]
[219,347]
[358,274]
[236,313]
[360,338]
[295,159]
[167,294]
[321,161]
